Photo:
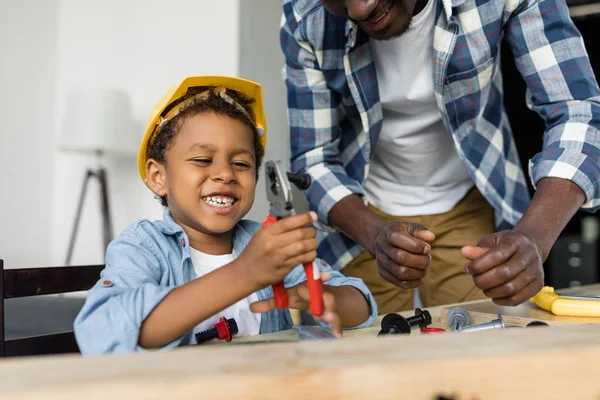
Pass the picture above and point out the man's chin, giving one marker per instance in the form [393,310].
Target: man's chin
[390,32]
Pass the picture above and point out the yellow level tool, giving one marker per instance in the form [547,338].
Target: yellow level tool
[577,306]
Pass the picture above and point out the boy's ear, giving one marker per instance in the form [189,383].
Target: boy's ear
[156,177]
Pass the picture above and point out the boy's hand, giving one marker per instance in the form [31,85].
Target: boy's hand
[276,249]
[299,299]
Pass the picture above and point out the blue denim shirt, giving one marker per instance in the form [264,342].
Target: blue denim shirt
[148,260]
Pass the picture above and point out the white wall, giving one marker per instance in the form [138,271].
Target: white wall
[28,37]
[141,47]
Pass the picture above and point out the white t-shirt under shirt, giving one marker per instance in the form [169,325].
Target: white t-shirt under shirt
[248,322]
[415,168]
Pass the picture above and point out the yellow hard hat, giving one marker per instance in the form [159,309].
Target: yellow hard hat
[248,88]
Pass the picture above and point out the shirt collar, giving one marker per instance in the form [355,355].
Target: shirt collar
[241,235]
[170,227]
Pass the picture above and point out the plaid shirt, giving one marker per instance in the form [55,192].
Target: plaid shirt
[335,114]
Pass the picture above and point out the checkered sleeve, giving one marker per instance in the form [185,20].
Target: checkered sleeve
[314,112]
[550,55]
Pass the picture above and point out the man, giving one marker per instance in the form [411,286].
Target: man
[396,111]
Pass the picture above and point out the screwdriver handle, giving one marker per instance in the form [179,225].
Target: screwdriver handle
[281,297]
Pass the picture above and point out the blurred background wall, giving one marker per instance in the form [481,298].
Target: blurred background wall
[141,47]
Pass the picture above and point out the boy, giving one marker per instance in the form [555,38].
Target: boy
[166,280]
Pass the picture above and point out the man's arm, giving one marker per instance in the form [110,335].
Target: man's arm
[550,55]
[314,113]
[553,205]
[364,225]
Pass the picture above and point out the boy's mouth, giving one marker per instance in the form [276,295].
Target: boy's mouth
[220,200]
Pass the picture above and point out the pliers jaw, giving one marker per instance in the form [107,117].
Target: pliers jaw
[279,190]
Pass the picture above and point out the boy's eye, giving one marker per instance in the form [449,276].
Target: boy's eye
[203,161]
[241,165]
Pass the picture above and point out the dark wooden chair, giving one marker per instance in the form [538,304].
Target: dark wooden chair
[27,282]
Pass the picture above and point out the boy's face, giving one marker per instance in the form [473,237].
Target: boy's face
[210,174]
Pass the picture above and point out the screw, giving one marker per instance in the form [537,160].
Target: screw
[396,323]
[224,329]
[495,324]
[458,318]
[421,318]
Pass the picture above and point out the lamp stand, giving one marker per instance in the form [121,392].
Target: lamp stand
[100,173]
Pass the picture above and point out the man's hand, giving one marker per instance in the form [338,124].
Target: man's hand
[507,266]
[402,249]
[299,299]
[403,252]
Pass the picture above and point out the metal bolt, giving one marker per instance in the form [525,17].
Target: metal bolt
[396,323]
[495,324]
[458,318]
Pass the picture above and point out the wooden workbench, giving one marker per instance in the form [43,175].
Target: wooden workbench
[550,363]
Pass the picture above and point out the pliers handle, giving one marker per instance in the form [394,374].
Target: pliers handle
[280,196]
[313,281]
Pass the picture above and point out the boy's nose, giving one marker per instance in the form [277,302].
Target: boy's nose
[360,9]
[223,174]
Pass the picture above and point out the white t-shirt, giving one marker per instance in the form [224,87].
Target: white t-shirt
[248,322]
[415,168]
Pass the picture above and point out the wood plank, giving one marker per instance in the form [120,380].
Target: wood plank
[485,311]
[520,363]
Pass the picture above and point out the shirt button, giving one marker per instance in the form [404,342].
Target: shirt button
[323,262]
[183,242]
[107,283]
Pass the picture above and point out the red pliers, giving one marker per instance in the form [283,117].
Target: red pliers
[279,195]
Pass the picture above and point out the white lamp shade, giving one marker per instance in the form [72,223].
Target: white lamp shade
[98,120]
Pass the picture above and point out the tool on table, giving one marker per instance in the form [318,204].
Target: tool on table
[566,305]
[495,324]
[458,318]
[313,332]
[224,329]
[279,194]
[396,323]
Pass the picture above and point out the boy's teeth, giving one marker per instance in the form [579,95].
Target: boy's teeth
[219,201]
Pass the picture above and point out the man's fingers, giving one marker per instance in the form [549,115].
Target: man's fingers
[523,295]
[293,222]
[424,234]
[510,288]
[473,252]
[502,274]
[401,257]
[387,276]
[489,240]
[401,273]
[492,258]
[419,231]
[263,306]
[407,242]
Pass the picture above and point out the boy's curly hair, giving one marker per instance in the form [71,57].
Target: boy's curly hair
[163,139]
